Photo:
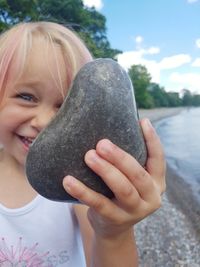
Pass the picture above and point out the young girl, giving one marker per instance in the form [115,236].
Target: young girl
[38,62]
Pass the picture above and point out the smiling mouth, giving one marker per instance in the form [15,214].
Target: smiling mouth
[27,141]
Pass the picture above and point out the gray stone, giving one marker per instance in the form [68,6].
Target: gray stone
[100,104]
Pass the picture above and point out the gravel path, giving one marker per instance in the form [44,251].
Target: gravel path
[171,236]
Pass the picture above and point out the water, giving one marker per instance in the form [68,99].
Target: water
[180,136]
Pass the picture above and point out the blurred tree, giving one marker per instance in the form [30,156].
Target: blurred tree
[158,94]
[196,100]
[14,11]
[87,22]
[90,25]
[187,98]
[141,80]
[173,99]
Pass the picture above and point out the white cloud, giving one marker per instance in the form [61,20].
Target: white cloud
[136,57]
[153,68]
[174,61]
[98,4]
[189,81]
[153,50]
[139,39]
[160,69]
[129,58]
[196,62]
[198,43]
[192,1]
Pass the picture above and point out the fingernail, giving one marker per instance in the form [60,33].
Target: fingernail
[69,181]
[91,156]
[148,123]
[106,145]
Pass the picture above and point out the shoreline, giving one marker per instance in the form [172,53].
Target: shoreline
[171,236]
[186,201]
[174,181]
[157,114]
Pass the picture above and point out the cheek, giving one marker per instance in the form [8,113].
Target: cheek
[11,116]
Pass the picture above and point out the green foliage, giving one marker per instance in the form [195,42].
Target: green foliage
[159,95]
[14,11]
[174,99]
[141,80]
[196,100]
[149,95]
[87,22]
[90,25]
[187,98]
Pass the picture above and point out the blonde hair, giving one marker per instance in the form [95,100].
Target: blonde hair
[16,43]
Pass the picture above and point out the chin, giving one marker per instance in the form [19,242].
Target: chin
[21,161]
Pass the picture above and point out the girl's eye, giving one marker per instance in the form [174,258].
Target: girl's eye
[26,97]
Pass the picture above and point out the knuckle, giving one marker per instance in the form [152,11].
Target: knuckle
[154,204]
[163,187]
[105,171]
[157,203]
[143,175]
[98,204]
[81,193]
[119,222]
[161,155]
[136,203]
[122,155]
[126,192]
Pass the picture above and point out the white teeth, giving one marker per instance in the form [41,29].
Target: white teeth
[27,141]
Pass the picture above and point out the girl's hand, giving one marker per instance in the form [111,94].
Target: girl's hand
[137,190]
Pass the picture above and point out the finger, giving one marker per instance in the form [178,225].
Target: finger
[129,166]
[87,196]
[124,190]
[155,165]
[117,157]
[102,206]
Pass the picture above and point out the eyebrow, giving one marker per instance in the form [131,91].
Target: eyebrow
[29,83]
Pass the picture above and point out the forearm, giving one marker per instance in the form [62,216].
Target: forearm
[118,252]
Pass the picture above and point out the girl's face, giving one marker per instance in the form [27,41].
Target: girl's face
[32,101]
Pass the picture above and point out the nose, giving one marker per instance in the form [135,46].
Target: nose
[42,117]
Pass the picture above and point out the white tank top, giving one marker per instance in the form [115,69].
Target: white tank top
[43,233]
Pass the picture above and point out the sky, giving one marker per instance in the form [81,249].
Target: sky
[163,35]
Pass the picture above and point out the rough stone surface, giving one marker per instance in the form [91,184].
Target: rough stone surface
[100,104]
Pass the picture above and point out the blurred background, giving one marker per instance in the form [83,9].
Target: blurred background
[158,43]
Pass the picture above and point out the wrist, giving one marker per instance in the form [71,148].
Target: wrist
[115,239]
[119,250]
